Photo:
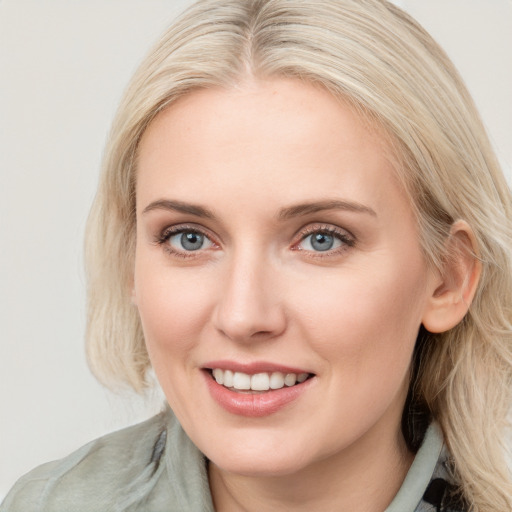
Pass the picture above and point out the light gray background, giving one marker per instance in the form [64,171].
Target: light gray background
[63,66]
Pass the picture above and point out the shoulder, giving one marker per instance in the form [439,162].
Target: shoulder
[108,467]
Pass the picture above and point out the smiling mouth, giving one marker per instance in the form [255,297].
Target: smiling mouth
[257,383]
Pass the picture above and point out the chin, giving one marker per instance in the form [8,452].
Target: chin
[272,466]
[261,457]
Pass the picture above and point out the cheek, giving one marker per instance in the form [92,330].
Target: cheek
[364,317]
[363,326]
[172,306]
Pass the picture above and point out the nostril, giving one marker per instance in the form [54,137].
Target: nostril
[265,334]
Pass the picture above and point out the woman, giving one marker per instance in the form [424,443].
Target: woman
[302,229]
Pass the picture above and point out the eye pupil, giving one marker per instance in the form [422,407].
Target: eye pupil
[192,241]
[322,242]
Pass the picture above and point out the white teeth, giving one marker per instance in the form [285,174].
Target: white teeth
[228,378]
[276,380]
[258,381]
[241,381]
[218,375]
[290,379]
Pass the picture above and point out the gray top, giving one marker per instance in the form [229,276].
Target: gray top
[155,467]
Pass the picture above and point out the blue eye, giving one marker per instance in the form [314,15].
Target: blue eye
[189,241]
[323,241]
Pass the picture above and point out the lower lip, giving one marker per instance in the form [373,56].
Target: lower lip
[255,405]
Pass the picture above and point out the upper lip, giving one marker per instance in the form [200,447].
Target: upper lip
[253,367]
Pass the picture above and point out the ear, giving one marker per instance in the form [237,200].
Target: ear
[454,289]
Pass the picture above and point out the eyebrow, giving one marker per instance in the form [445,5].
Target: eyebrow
[318,206]
[284,214]
[179,206]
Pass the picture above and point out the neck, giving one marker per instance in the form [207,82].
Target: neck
[364,477]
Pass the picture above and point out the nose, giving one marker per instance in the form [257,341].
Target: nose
[250,305]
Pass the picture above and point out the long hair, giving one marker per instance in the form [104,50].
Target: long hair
[375,57]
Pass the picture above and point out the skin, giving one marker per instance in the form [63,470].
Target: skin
[258,291]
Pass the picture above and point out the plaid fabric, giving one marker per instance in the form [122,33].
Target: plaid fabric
[442,494]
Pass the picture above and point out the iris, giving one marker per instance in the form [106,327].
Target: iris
[191,241]
[322,241]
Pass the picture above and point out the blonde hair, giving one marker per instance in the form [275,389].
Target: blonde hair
[371,54]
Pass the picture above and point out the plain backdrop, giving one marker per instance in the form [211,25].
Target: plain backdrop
[63,67]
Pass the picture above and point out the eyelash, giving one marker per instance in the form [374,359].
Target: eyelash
[164,237]
[347,240]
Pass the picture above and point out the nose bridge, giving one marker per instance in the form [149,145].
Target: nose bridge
[249,303]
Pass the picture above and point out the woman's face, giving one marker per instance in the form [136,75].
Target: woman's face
[274,244]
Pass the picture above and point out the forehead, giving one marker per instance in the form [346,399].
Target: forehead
[289,136]
[267,104]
